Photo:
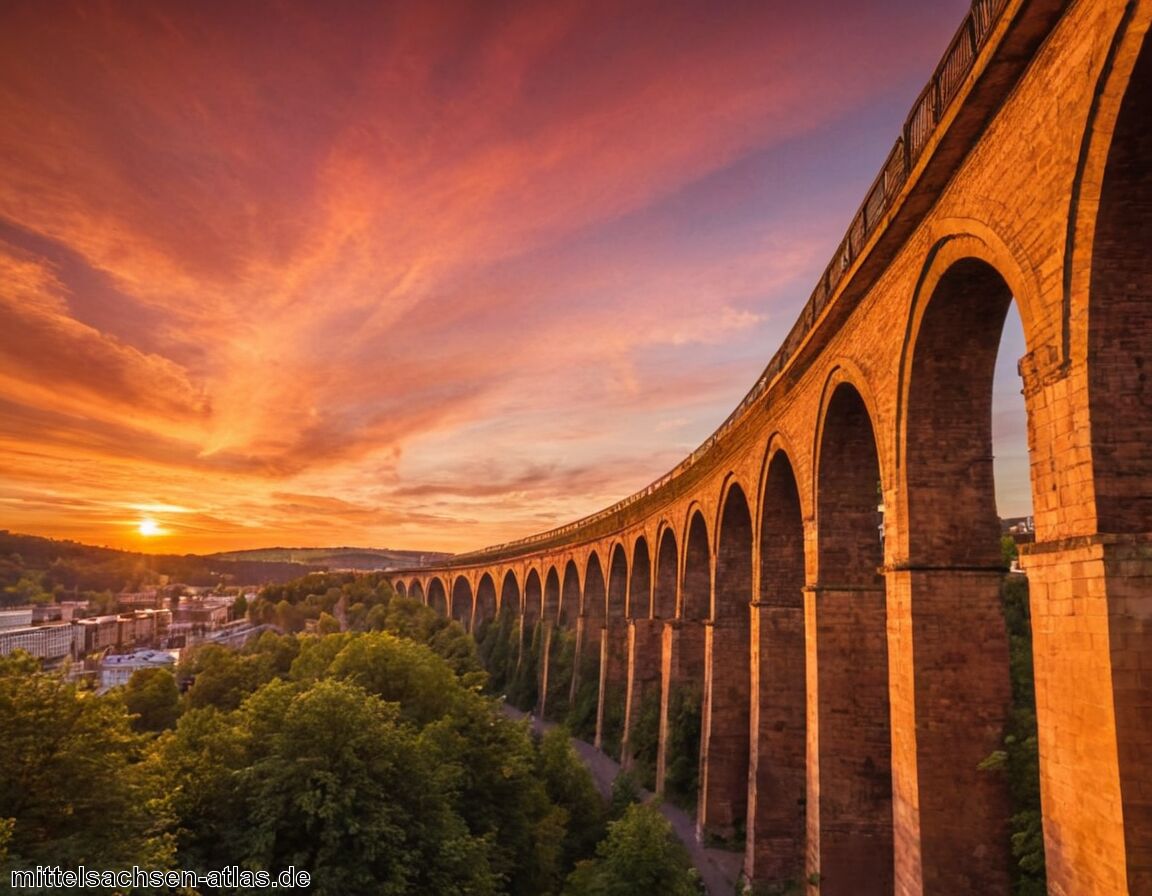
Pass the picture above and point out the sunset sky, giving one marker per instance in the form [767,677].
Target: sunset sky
[415,274]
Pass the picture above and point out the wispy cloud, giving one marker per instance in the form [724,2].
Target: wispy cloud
[294,271]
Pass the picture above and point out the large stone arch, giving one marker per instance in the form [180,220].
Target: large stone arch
[560,605]
[585,701]
[1108,131]
[725,723]
[850,824]
[966,251]
[552,595]
[640,581]
[417,591]
[401,588]
[462,605]
[570,595]
[952,697]
[437,596]
[696,580]
[614,655]
[510,592]
[678,766]
[533,600]
[664,593]
[946,443]
[846,373]
[485,604]
[594,593]
[616,604]
[777,760]
[645,641]
[1119,337]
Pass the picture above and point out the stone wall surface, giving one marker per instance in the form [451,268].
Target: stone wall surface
[851,682]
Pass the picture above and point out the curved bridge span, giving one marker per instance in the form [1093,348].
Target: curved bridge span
[824,572]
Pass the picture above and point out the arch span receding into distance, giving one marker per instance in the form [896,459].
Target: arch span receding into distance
[801,619]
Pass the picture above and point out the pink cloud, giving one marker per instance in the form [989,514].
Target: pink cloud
[257,259]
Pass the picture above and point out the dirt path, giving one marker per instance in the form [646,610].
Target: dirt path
[719,869]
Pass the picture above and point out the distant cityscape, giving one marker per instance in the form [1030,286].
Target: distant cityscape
[150,628]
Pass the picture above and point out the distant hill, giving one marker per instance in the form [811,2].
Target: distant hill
[53,566]
[338,558]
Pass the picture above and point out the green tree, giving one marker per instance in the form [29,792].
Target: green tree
[561,659]
[459,649]
[493,639]
[203,761]
[73,786]
[327,624]
[682,777]
[151,696]
[326,777]
[1008,549]
[275,654]
[411,619]
[570,786]
[1019,761]
[316,655]
[401,671]
[28,590]
[639,857]
[221,677]
[340,786]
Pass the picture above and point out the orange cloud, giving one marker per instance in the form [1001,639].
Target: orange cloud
[293,270]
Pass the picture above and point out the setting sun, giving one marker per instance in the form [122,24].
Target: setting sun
[148,528]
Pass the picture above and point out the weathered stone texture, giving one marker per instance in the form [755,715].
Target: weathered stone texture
[856,713]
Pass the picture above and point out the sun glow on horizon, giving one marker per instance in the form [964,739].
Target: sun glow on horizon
[149,528]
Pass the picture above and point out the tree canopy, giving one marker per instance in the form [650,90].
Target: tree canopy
[365,751]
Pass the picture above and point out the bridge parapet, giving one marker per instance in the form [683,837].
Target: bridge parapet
[845,612]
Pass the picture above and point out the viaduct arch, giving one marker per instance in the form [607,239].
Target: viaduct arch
[824,568]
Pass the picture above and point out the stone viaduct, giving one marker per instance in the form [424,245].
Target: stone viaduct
[825,569]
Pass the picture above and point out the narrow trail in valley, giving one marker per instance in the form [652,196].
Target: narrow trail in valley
[719,869]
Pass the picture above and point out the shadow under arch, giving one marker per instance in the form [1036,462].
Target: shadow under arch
[678,764]
[551,605]
[778,752]
[583,713]
[955,695]
[723,802]
[614,656]
[437,596]
[462,602]
[510,592]
[645,645]
[570,595]
[485,604]
[561,602]
[667,569]
[696,579]
[850,823]
[533,601]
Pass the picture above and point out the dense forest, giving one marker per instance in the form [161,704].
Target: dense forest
[368,752]
[514,657]
[365,743]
